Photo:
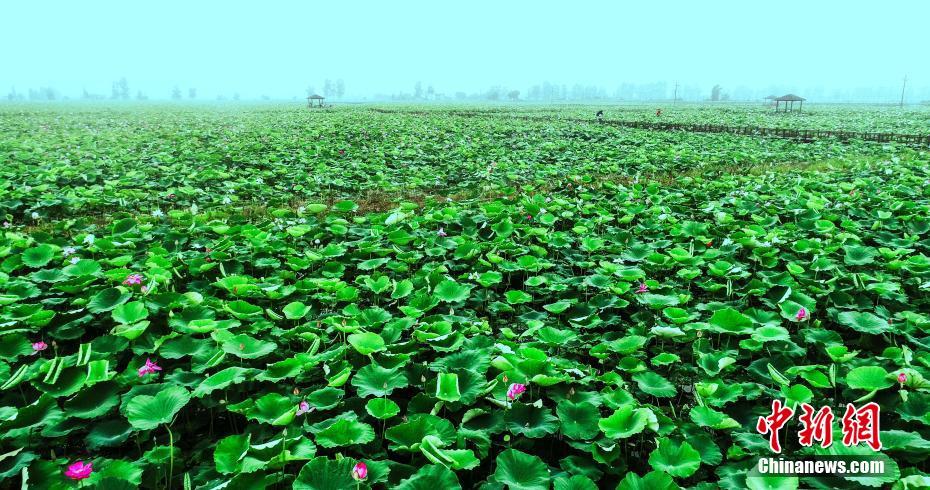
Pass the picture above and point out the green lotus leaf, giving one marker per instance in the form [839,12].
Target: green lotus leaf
[530,421]
[38,256]
[148,412]
[578,420]
[130,313]
[382,408]
[345,433]
[248,347]
[708,417]
[678,460]
[374,380]
[576,482]
[273,409]
[447,387]
[407,436]
[654,480]
[431,477]
[868,378]
[521,471]
[625,422]
[325,398]
[451,291]
[654,384]
[863,322]
[728,320]
[322,473]
[229,453]
[366,343]
[221,379]
[295,310]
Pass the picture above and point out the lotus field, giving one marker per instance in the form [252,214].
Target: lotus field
[249,297]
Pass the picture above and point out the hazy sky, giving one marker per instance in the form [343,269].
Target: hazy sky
[280,47]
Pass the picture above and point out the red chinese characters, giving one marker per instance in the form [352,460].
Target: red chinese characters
[862,425]
[817,427]
[859,425]
[771,424]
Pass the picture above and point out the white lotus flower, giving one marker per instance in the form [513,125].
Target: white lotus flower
[35,215]
[157,213]
[75,260]
[68,251]
[89,239]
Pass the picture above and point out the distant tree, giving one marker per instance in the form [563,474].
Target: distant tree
[141,96]
[236,96]
[493,93]
[513,95]
[176,93]
[715,93]
[13,95]
[43,93]
[265,97]
[430,92]
[328,88]
[418,90]
[340,88]
[123,85]
[461,95]
[191,93]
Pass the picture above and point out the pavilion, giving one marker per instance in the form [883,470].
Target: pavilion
[789,99]
[314,97]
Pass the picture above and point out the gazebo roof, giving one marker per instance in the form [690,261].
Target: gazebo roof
[316,97]
[790,98]
[770,97]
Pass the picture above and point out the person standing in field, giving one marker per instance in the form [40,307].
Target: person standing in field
[658,112]
[600,116]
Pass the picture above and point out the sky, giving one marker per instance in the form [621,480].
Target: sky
[279,48]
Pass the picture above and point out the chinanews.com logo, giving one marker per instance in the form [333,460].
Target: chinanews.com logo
[860,427]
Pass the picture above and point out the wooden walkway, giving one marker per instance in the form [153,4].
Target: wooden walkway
[805,135]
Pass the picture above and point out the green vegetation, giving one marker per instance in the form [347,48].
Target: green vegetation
[264,297]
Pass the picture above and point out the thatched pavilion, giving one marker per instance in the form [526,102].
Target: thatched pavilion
[316,97]
[789,99]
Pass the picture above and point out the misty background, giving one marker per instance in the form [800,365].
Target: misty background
[826,51]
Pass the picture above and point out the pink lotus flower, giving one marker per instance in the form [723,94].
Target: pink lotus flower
[144,289]
[529,217]
[342,152]
[360,471]
[902,378]
[442,232]
[149,368]
[642,288]
[133,280]
[79,470]
[802,314]
[514,390]
[39,346]
[302,408]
